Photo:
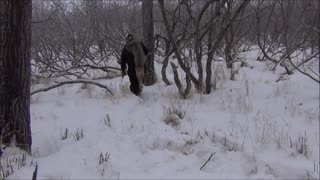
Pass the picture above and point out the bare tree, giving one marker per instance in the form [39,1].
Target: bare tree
[80,36]
[198,21]
[73,39]
[15,41]
[284,38]
[148,37]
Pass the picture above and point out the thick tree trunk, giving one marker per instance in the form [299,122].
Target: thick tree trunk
[318,29]
[148,36]
[15,34]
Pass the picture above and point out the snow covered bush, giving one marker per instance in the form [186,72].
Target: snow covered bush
[172,120]
[175,109]
[173,114]
[78,134]
[302,145]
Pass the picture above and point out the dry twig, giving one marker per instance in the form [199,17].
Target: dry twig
[212,154]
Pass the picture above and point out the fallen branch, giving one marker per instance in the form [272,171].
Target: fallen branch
[212,154]
[72,82]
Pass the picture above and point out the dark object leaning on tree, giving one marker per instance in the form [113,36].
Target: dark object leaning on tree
[127,59]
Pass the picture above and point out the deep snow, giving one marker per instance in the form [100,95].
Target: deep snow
[253,125]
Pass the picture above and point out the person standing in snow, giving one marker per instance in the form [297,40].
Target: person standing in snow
[127,59]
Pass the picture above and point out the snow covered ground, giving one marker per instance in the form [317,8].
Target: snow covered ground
[254,127]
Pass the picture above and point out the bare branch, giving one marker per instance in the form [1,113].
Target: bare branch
[302,72]
[72,82]
[183,92]
[45,20]
[253,13]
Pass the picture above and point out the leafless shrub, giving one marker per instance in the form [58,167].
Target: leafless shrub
[107,120]
[199,36]
[103,158]
[175,109]
[71,44]
[302,145]
[269,130]
[227,143]
[78,134]
[64,136]
[10,165]
[102,162]
[289,47]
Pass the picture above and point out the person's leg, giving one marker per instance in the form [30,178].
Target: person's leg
[134,86]
[135,90]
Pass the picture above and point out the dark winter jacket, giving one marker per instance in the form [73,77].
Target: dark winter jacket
[127,60]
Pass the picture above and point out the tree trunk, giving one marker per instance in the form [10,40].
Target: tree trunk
[164,68]
[209,61]
[183,92]
[15,40]
[148,36]
[229,36]
[318,31]
[168,53]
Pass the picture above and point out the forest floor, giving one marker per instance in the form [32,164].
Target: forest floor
[250,128]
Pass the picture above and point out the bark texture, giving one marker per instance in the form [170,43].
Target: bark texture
[148,35]
[15,41]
